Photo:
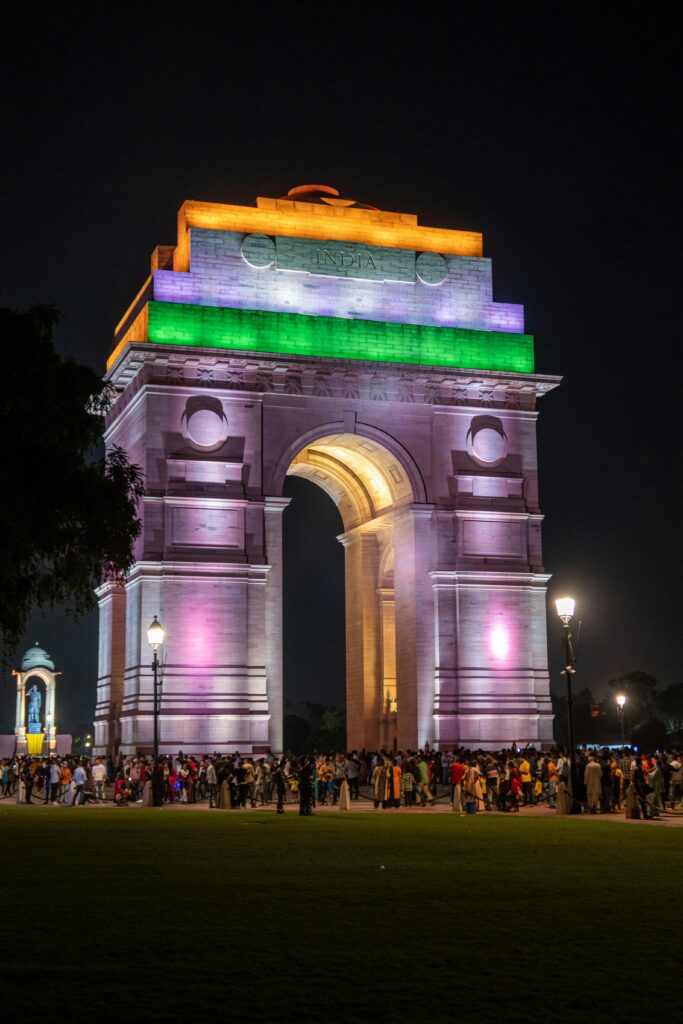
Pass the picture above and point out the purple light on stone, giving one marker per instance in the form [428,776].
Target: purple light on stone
[199,642]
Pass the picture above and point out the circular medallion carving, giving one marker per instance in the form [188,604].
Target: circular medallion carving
[486,441]
[258,251]
[431,268]
[204,424]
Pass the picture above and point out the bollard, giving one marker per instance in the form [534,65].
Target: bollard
[562,805]
[224,801]
[344,797]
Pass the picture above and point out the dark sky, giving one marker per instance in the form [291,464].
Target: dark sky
[557,135]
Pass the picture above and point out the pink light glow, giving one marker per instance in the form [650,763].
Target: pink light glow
[500,642]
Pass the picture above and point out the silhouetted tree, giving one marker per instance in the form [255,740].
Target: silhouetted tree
[640,690]
[649,735]
[68,514]
[309,726]
[669,707]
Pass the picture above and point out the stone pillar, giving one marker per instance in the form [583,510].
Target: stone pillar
[363,658]
[387,615]
[213,675]
[20,727]
[50,726]
[491,664]
[112,651]
[445,596]
[414,626]
[20,720]
[259,714]
[274,509]
[142,603]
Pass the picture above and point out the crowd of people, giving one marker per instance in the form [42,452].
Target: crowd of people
[605,781]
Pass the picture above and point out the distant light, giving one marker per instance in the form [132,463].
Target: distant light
[565,607]
[621,700]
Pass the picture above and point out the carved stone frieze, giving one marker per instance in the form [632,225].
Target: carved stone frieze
[328,379]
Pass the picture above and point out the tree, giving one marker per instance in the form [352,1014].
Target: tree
[640,689]
[68,515]
[311,726]
[670,710]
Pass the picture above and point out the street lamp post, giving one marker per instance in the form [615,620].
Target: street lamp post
[155,636]
[621,701]
[565,610]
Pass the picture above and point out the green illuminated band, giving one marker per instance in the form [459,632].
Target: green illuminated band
[172,323]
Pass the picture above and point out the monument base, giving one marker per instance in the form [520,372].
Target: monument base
[34,743]
[60,745]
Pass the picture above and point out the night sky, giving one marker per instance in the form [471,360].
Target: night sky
[557,135]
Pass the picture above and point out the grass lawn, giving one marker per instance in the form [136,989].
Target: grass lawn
[188,916]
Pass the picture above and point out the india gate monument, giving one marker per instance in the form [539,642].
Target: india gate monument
[319,336]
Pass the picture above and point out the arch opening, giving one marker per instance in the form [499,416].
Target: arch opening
[313,626]
[370,485]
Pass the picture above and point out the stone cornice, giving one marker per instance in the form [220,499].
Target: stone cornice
[447,579]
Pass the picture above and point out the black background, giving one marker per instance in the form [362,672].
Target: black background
[557,135]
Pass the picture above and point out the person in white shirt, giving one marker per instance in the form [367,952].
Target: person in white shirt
[55,779]
[99,774]
[212,780]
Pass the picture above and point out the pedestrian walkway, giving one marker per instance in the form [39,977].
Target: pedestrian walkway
[669,819]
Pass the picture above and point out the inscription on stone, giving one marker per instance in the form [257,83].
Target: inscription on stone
[344,259]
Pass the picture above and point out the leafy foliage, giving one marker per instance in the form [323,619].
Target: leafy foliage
[69,512]
[311,727]
[640,689]
[670,709]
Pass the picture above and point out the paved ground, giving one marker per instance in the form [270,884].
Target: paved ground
[669,819]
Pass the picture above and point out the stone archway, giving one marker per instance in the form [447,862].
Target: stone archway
[363,351]
[371,486]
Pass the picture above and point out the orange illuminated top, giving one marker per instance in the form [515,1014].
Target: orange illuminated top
[297,218]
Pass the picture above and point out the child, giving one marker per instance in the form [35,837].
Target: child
[515,793]
[408,789]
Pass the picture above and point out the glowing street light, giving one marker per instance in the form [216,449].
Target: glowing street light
[565,610]
[565,607]
[155,636]
[621,701]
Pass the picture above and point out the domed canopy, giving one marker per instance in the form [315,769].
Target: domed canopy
[36,657]
[324,194]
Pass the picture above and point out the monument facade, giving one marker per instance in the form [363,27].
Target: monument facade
[318,336]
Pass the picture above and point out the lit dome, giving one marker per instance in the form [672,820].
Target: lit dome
[36,657]
[324,194]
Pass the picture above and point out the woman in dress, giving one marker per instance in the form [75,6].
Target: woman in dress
[380,784]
